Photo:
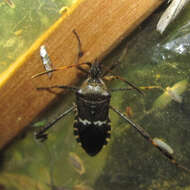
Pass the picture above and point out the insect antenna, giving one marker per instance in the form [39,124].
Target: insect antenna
[80,53]
[60,68]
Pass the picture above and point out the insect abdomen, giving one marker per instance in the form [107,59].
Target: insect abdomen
[92,128]
[92,135]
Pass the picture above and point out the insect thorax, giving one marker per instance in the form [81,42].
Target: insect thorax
[92,126]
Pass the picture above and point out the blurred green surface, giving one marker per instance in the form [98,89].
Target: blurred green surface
[22,24]
[128,161]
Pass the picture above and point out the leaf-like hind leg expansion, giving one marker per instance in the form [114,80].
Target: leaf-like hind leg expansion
[149,138]
[42,135]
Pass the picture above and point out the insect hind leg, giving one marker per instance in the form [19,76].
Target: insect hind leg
[146,135]
[41,135]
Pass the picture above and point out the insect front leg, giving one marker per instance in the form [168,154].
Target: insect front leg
[159,145]
[115,77]
[115,64]
[119,89]
[42,135]
[112,67]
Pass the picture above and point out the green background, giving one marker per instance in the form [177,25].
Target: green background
[128,161]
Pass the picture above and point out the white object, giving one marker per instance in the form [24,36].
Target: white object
[171,93]
[170,14]
[161,144]
[46,60]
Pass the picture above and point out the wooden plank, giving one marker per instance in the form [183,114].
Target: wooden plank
[101,25]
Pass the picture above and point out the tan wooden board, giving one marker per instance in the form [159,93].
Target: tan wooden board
[101,25]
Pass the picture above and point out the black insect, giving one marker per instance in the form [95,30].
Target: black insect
[92,124]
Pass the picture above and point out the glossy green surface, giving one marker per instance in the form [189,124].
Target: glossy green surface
[128,161]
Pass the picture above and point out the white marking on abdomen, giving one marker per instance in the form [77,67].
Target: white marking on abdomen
[86,122]
[99,123]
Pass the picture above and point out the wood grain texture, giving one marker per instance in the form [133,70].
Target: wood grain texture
[101,25]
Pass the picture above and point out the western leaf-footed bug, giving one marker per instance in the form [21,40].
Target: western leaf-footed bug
[92,124]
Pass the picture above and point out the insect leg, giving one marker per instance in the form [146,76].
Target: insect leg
[42,135]
[146,135]
[150,87]
[113,77]
[141,88]
[108,70]
[119,89]
[115,64]
[72,88]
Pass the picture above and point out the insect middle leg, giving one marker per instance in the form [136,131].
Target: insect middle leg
[42,135]
[72,88]
[146,135]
